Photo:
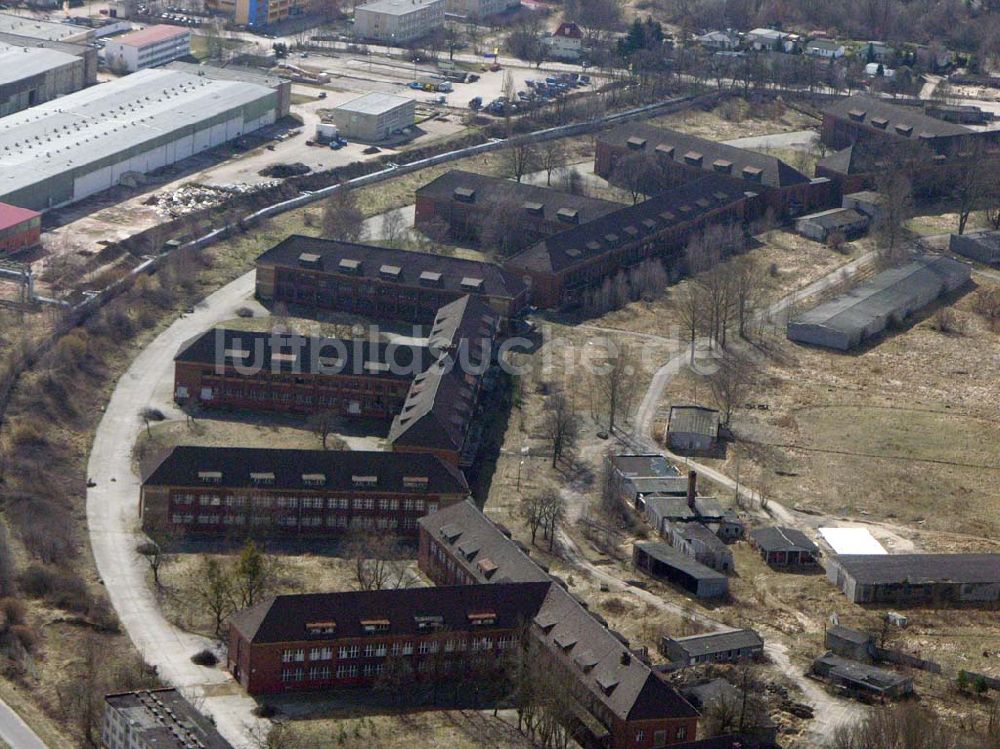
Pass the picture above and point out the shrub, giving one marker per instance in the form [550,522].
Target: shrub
[12,611]
[204,658]
[152,414]
[37,581]
[773,270]
[244,312]
[946,320]
[265,711]
[986,303]
[28,433]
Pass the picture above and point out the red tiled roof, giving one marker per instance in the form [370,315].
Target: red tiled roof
[151,35]
[11,215]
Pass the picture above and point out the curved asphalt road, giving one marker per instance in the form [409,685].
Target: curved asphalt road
[113,520]
[15,732]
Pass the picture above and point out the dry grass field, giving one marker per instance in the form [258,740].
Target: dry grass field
[736,119]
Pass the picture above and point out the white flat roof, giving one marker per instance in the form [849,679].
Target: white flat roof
[397,7]
[17,63]
[25,26]
[375,103]
[852,541]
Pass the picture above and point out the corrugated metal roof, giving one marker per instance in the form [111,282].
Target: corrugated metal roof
[375,103]
[12,215]
[18,63]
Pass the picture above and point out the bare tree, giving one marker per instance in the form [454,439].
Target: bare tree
[748,288]
[976,184]
[520,158]
[375,560]
[731,383]
[151,551]
[342,219]
[253,575]
[394,228]
[640,173]
[616,383]
[553,514]
[533,512]
[561,425]
[551,156]
[323,423]
[214,589]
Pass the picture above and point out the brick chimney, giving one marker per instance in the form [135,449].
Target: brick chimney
[692,487]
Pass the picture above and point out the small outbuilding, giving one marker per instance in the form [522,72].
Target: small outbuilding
[20,228]
[375,116]
[867,202]
[983,246]
[847,222]
[784,547]
[693,428]
[665,563]
[861,679]
[850,643]
[715,647]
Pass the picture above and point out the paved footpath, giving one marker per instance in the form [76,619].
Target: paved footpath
[15,732]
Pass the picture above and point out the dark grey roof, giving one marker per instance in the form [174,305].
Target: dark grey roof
[896,291]
[917,569]
[780,538]
[753,167]
[630,224]
[496,281]
[863,674]
[280,352]
[645,466]
[694,420]
[441,401]
[719,642]
[309,470]
[698,532]
[284,618]
[667,554]
[671,508]
[164,719]
[229,73]
[850,635]
[484,190]
[880,115]
[835,218]
[617,678]
[676,485]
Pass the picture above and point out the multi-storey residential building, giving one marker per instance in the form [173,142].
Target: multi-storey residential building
[430,391]
[561,267]
[398,21]
[362,638]
[148,47]
[465,201]
[262,371]
[681,157]
[260,13]
[156,719]
[238,491]
[480,8]
[632,706]
[381,282]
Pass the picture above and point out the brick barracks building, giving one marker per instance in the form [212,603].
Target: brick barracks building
[431,392]
[380,282]
[465,200]
[265,371]
[560,267]
[364,638]
[629,705]
[267,493]
[681,157]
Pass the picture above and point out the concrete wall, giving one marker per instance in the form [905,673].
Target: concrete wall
[981,246]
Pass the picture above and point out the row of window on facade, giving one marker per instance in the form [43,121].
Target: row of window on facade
[368,522]
[398,648]
[306,503]
[660,736]
[349,671]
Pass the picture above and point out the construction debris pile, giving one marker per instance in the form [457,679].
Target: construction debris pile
[195,197]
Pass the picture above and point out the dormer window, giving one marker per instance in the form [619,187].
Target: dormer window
[573,253]
[314,479]
[664,150]
[880,122]
[693,158]
[752,173]
[321,628]
[722,166]
[568,215]
[430,278]
[415,483]
[210,477]
[535,209]
[364,481]
[464,195]
[309,260]
[374,625]
[487,567]
[429,622]
[482,618]
[635,143]
[858,115]
[472,284]
[262,478]
[904,129]
[390,271]
[349,265]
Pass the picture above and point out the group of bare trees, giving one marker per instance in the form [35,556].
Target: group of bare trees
[912,726]
[342,219]
[376,562]
[541,697]
[224,586]
[561,426]
[545,512]
[645,280]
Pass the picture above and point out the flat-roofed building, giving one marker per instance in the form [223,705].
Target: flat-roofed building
[241,73]
[983,246]
[374,117]
[274,493]
[480,8]
[666,563]
[784,547]
[398,21]
[44,30]
[156,719]
[34,72]
[148,48]
[382,282]
[861,679]
[81,144]
[936,579]
[20,228]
